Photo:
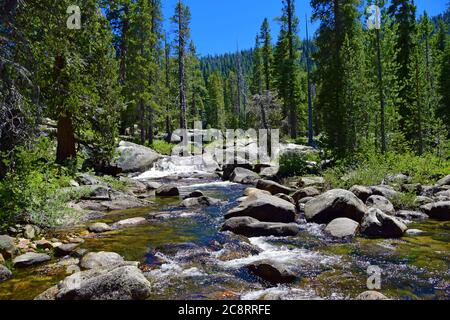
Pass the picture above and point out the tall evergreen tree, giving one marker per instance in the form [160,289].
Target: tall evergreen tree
[267,54]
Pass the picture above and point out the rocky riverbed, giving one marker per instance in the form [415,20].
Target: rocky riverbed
[194,236]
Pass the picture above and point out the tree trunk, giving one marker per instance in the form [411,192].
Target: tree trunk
[66,140]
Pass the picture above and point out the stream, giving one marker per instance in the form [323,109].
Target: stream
[185,256]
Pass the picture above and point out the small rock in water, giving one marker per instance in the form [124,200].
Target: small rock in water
[99,227]
[342,228]
[29,259]
[65,249]
[250,227]
[168,191]
[272,272]
[195,194]
[101,259]
[377,224]
[5,273]
[199,201]
[129,222]
[371,295]
[414,232]
[438,210]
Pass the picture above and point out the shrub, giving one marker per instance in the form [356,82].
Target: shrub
[292,165]
[162,147]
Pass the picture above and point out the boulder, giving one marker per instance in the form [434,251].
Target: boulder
[30,231]
[361,192]
[129,222]
[377,224]
[305,193]
[99,227]
[5,273]
[135,158]
[195,194]
[252,191]
[93,260]
[86,179]
[334,204]
[65,249]
[311,181]
[444,181]
[445,194]
[371,295]
[168,191]
[264,208]
[421,201]
[7,246]
[273,187]
[411,215]
[381,203]
[199,202]
[151,185]
[342,228]
[437,210]
[244,176]
[285,197]
[30,259]
[250,227]
[272,272]
[383,190]
[111,283]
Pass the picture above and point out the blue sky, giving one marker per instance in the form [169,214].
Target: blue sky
[220,26]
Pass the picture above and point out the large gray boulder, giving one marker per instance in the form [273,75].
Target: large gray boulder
[244,176]
[7,246]
[381,203]
[272,272]
[265,208]
[384,190]
[250,227]
[342,228]
[5,273]
[273,187]
[377,224]
[437,210]
[93,260]
[112,283]
[444,181]
[361,192]
[30,259]
[135,158]
[337,203]
[305,193]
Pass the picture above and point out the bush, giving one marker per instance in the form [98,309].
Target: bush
[372,168]
[292,165]
[33,186]
[162,147]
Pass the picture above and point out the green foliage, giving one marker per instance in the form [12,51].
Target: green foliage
[372,168]
[33,186]
[292,165]
[114,183]
[162,147]
[404,201]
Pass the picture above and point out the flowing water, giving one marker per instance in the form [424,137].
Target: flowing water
[185,256]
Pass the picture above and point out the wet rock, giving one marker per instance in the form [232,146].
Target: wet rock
[7,246]
[129,222]
[272,272]
[195,194]
[444,181]
[437,210]
[305,193]
[244,176]
[383,190]
[380,202]
[100,259]
[411,215]
[111,283]
[250,227]
[273,187]
[414,232]
[371,295]
[199,202]
[377,224]
[99,227]
[135,158]
[168,191]
[264,208]
[5,273]
[30,259]
[421,201]
[342,228]
[334,204]
[237,250]
[43,244]
[361,192]
[65,249]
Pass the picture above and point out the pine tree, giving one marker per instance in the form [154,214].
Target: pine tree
[216,105]
[182,20]
[257,75]
[267,54]
[196,86]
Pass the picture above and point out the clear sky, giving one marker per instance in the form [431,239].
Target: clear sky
[220,26]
